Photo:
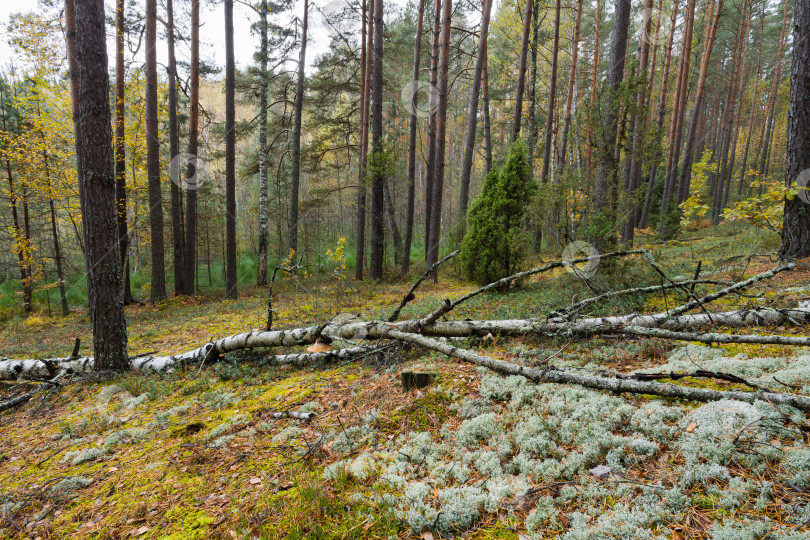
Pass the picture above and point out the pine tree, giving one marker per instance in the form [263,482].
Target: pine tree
[495,243]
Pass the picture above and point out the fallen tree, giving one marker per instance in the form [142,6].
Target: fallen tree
[426,332]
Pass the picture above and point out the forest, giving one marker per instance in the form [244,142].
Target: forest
[405,269]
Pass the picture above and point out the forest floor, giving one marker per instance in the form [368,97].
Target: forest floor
[197,453]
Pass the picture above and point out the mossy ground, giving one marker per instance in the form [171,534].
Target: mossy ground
[196,453]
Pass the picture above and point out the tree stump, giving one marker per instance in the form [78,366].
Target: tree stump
[416,379]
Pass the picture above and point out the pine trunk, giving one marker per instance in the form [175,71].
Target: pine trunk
[552,92]
[120,149]
[174,151]
[158,282]
[96,175]
[230,158]
[796,228]
[441,136]
[261,277]
[603,206]
[375,269]
[472,121]
[690,154]
[569,98]
[190,261]
[524,57]
[295,176]
[417,61]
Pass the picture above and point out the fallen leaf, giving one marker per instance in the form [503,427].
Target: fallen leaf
[255,480]
[691,427]
[427,536]
[318,347]
[600,471]
[142,530]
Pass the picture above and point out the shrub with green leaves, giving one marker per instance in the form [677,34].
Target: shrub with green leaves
[495,243]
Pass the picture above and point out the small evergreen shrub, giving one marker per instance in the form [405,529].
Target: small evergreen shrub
[495,243]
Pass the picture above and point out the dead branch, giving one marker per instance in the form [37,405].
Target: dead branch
[409,295]
[552,374]
[566,313]
[699,374]
[730,289]
[717,337]
[307,416]
[551,266]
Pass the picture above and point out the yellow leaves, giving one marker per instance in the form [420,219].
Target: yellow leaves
[338,258]
[766,208]
[693,210]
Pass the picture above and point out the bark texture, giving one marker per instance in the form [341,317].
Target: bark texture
[96,173]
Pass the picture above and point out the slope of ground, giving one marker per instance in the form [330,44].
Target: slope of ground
[199,453]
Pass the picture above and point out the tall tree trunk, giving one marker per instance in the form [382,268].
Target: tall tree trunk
[487,121]
[744,170]
[120,149]
[96,174]
[158,283]
[365,89]
[796,228]
[417,60]
[569,97]
[676,122]
[552,92]
[375,269]
[230,158]
[174,150]
[57,250]
[765,156]
[602,205]
[729,111]
[533,124]
[637,129]
[433,106]
[261,277]
[521,82]
[441,137]
[392,221]
[295,176]
[192,184]
[472,118]
[689,154]
[594,87]
[19,242]
[735,129]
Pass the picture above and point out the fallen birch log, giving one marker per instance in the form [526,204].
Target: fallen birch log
[47,369]
[374,330]
[552,374]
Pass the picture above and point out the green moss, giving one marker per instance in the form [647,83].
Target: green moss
[192,524]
